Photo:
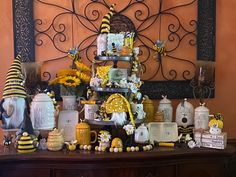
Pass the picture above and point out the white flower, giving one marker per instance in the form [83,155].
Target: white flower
[105,137]
[191,144]
[123,83]
[95,82]
[129,128]
[133,88]
[138,95]
[133,78]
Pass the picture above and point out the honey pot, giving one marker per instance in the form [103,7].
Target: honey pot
[149,109]
[83,134]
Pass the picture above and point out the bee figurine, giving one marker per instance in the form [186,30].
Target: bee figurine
[114,49]
[7,140]
[159,48]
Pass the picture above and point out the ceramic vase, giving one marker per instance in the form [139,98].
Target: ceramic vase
[69,102]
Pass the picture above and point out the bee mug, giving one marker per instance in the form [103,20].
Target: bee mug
[83,134]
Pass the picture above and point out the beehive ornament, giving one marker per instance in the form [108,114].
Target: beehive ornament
[26,143]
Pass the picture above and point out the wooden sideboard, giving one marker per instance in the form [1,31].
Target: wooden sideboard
[161,162]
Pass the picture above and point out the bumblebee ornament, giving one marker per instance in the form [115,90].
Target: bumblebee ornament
[71,146]
[159,48]
[73,54]
[27,143]
[7,140]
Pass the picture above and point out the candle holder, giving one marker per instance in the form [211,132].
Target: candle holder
[203,83]
[33,78]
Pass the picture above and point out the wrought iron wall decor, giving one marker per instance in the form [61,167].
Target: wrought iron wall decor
[200,34]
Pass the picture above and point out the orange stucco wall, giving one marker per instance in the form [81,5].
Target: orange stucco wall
[225,60]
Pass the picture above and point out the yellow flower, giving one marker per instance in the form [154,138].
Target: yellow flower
[66,72]
[102,71]
[70,81]
[81,66]
[83,76]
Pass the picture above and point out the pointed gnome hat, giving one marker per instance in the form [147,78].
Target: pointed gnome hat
[105,26]
[14,85]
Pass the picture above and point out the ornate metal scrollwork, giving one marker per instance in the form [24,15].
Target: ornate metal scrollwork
[197,33]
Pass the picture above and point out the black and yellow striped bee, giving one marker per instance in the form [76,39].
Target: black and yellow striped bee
[159,47]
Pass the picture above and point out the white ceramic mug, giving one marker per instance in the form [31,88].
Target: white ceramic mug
[90,111]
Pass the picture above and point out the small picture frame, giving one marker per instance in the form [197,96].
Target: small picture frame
[163,132]
[117,74]
[114,40]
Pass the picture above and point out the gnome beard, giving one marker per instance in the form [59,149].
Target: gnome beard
[13,112]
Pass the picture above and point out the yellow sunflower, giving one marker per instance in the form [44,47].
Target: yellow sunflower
[81,66]
[83,76]
[70,81]
[66,72]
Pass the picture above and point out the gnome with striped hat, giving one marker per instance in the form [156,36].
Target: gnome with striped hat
[13,104]
[104,29]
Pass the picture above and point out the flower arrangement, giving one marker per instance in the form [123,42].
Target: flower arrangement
[73,80]
[104,136]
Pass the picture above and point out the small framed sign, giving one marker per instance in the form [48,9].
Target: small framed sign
[163,132]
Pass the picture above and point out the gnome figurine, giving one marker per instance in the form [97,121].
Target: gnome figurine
[13,104]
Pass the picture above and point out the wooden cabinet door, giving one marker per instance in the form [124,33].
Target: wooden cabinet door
[202,170]
[167,171]
[81,173]
[26,172]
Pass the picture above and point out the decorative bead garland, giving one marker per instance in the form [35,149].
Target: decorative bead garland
[85,147]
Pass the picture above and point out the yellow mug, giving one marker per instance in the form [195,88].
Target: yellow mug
[83,134]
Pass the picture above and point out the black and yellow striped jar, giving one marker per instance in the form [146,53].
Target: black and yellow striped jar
[26,144]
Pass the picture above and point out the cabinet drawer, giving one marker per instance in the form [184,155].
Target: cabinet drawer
[202,170]
[81,173]
[26,172]
[167,171]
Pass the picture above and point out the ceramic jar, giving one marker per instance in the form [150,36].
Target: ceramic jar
[55,140]
[166,107]
[184,114]
[148,107]
[83,134]
[42,112]
[141,134]
[201,117]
